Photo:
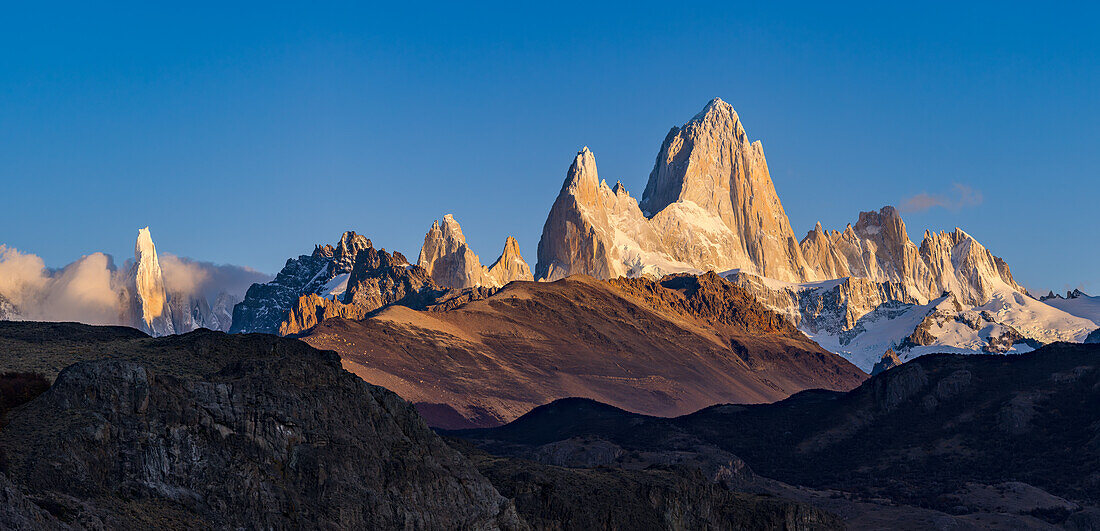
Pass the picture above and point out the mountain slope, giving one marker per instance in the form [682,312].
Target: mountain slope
[208,430]
[1076,303]
[663,348]
[324,273]
[959,434]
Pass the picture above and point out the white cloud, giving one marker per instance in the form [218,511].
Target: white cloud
[91,290]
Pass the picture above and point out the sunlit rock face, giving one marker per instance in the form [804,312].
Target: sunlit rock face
[710,204]
[511,265]
[710,195]
[451,263]
[148,283]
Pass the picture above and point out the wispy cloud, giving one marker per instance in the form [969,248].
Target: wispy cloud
[92,290]
[184,275]
[957,198]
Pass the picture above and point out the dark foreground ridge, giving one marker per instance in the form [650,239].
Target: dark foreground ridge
[981,440]
[211,430]
[250,431]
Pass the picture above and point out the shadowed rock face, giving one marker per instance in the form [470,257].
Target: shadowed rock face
[666,348]
[268,304]
[248,431]
[970,436]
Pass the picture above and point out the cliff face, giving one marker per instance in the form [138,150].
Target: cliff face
[710,205]
[377,279]
[209,430]
[709,164]
[267,305]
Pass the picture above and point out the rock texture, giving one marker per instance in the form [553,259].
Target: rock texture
[707,171]
[889,361]
[663,347]
[710,205]
[377,279]
[510,265]
[660,497]
[861,318]
[206,430]
[943,441]
[452,264]
[148,298]
[267,305]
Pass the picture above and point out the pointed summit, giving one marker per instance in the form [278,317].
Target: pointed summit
[582,180]
[710,163]
[450,262]
[511,265]
[716,108]
[149,294]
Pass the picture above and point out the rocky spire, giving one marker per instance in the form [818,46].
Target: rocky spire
[148,284]
[450,262]
[583,181]
[710,162]
[511,265]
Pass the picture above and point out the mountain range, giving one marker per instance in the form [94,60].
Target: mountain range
[680,361]
[710,205]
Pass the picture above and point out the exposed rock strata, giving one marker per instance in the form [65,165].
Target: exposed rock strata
[377,279]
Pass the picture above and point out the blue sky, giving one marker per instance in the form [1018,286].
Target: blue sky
[246,134]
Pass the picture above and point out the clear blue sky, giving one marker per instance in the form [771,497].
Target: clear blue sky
[246,134]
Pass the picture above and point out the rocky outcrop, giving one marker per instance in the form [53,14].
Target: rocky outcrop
[710,298]
[148,307]
[709,205]
[709,176]
[451,263]
[376,279]
[889,361]
[217,431]
[931,434]
[267,305]
[511,265]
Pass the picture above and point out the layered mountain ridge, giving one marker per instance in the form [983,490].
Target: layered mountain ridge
[661,347]
[710,205]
